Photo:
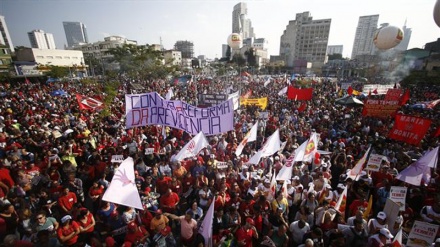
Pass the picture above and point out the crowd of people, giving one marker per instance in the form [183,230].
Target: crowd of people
[55,166]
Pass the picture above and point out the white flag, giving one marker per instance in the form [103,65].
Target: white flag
[354,173]
[286,171]
[420,170]
[235,99]
[193,147]
[273,187]
[282,91]
[342,198]
[284,189]
[271,146]
[122,189]
[299,152]
[249,137]
[170,94]
[267,81]
[311,148]
[206,227]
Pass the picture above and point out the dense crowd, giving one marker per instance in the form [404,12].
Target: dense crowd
[55,166]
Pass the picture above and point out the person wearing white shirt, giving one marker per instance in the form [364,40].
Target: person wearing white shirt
[298,229]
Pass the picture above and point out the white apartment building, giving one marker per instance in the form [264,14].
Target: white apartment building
[64,58]
[173,57]
[5,38]
[41,40]
[305,39]
[241,24]
[335,49]
[363,38]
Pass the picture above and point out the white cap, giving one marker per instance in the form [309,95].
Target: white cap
[386,233]
[267,180]
[381,215]
[341,186]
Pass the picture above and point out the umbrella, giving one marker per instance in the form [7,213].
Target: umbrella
[58,93]
[349,101]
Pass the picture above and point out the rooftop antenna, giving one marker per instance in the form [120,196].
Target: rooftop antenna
[161,45]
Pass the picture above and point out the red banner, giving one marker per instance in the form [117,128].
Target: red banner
[409,129]
[380,108]
[393,94]
[299,94]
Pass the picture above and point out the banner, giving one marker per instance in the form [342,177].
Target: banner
[393,94]
[398,195]
[149,151]
[299,94]
[422,234]
[380,108]
[222,165]
[211,99]
[374,162]
[235,99]
[117,158]
[152,109]
[260,102]
[409,129]
[376,88]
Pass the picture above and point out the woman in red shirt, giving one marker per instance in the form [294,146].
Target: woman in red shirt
[69,231]
[95,193]
[86,223]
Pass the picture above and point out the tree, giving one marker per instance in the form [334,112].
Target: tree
[57,71]
[251,58]
[238,59]
[335,56]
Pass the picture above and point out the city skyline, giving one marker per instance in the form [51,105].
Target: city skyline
[208,23]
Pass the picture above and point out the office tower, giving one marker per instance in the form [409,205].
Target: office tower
[41,40]
[363,39]
[305,39]
[334,49]
[5,38]
[76,33]
[403,46]
[240,24]
[185,47]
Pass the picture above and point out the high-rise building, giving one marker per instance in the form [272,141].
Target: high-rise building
[363,39]
[76,33]
[403,46]
[185,47]
[41,40]
[335,49]
[5,38]
[241,24]
[305,39]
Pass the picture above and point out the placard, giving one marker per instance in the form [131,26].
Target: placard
[149,151]
[398,195]
[263,115]
[260,102]
[222,165]
[374,162]
[211,99]
[117,158]
[392,211]
[380,108]
[152,109]
[422,234]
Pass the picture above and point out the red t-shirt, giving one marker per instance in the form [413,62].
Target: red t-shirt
[67,231]
[242,235]
[67,201]
[133,237]
[170,200]
[356,204]
[89,221]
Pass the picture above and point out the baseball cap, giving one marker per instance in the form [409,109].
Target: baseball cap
[66,218]
[109,242]
[165,231]
[131,226]
[250,221]
[159,211]
[381,215]
[386,233]
[341,186]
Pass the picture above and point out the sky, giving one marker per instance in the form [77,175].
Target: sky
[208,23]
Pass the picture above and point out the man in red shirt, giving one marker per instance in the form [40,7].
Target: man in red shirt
[67,200]
[136,234]
[245,233]
[169,201]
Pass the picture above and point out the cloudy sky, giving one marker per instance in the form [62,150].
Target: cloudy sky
[208,23]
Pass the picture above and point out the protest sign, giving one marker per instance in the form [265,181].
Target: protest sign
[222,165]
[422,234]
[152,109]
[380,108]
[264,115]
[377,88]
[374,162]
[409,129]
[149,151]
[211,99]
[398,195]
[117,158]
[393,94]
[391,209]
[260,102]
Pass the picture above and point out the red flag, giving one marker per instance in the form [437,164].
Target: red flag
[302,107]
[247,94]
[27,81]
[437,132]
[375,91]
[299,94]
[369,93]
[409,129]
[350,90]
[87,103]
[405,97]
